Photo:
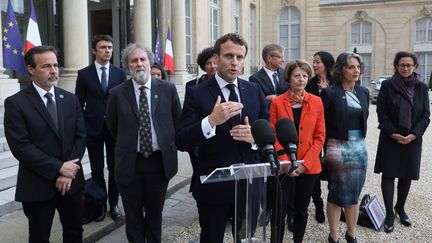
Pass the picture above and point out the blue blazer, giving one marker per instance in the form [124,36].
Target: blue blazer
[93,101]
[266,84]
[220,150]
[38,146]
[336,110]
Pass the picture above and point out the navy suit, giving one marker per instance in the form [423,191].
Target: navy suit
[41,150]
[216,200]
[266,84]
[93,102]
[143,181]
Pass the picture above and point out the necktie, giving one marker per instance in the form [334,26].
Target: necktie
[233,97]
[52,109]
[104,81]
[276,82]
[144,125]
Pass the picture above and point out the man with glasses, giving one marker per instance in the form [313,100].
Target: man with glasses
[271,76]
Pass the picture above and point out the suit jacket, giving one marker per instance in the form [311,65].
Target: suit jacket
[38,146]
[311,133]
[92,99]
[266,84]
[220,150]
[336,110]
[122,121]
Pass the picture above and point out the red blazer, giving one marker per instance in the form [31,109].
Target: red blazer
[311,129]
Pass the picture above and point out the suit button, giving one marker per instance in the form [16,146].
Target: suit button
[300,142]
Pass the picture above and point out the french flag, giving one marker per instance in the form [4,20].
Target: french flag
[169,56]
[33,38]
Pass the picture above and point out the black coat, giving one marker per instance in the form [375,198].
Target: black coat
[394,159]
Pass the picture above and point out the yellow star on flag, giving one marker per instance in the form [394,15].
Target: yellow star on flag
[15,51]
[4,38]
[11,24]
[5,30]
[8,46]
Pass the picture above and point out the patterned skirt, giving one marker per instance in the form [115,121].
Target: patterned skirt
[346,167]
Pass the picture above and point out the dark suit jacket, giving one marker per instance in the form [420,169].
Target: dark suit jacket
[336,110]
[91,97]
[266,83]
[39,148]
[122,121]
[220,150]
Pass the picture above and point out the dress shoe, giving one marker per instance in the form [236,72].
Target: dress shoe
[389,224]
[350,239]
[115,212]
[330,240]
[100,213]
[87,219]
[405,220]
[264,218]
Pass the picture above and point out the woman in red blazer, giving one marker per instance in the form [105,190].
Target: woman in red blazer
[307,113]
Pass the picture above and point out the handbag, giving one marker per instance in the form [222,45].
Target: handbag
[371,213]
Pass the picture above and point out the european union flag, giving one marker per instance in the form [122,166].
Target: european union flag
[13,56]
[158,49]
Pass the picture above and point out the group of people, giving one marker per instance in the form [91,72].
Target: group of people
[141,124]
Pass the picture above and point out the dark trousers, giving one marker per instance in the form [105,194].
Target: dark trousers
[302,186]
[95,148]
[40,217]
[316,194]
[143,200]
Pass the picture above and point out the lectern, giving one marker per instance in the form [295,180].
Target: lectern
[252,198]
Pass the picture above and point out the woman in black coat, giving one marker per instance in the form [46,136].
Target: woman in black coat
[403,116]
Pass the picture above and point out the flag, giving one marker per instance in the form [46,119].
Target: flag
[12,48]
[158,49]
[169,57]
[33,38]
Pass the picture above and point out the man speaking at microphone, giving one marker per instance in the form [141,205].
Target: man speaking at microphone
[217,116]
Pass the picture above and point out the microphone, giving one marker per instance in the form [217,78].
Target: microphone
[287,135]
[264,137]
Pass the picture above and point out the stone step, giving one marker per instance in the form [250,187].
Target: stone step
[7,160]
[7,196]
[3,144]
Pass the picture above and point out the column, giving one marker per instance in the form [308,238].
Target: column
[142,22]
[76,41]
[178,30]
[8,86]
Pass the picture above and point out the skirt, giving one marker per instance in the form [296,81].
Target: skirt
[346,168]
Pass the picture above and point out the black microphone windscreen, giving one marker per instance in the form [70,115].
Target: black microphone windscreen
[286,131]
[262,132]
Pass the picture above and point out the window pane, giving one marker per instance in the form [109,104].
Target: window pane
[284,15]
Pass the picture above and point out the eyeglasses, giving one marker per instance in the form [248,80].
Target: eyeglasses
[409,66]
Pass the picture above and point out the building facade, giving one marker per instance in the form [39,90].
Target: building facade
[376,29]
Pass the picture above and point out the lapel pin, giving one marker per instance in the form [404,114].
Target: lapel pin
[343,97]
[155,96]
[61,96]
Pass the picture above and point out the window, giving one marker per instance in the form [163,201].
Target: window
[214,21]
[424,65]
[366,76]
[424,30]
[289,32]
[188,10]
[361,33]
[236,16]
[252,36]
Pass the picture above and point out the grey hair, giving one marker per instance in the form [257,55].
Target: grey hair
[342,62]
[270,48]
[132,47]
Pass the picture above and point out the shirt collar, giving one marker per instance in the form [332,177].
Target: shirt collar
[222,83]
[41,91]
[137,86]
[98,65]
[270,72]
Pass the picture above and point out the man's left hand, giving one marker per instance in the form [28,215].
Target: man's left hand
[242,132]
[63,184]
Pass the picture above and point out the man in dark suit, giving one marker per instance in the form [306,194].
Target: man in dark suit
[92,89]
[271,76]
[216,116]
[142,115]
[45,130]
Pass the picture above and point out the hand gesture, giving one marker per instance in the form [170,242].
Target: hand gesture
[224,111]
[242,132]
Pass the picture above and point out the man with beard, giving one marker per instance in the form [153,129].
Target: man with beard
[45,130]
[142,115]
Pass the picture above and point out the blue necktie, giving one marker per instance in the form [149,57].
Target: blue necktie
[104,81]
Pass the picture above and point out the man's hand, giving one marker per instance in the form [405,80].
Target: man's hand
[270,97]
[63,184]
[242,132]
[70,168]
[224,111]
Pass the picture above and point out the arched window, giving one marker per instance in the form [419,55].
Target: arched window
[188,10]
[361,40]
[423,48]
[236,16]
[289,32]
